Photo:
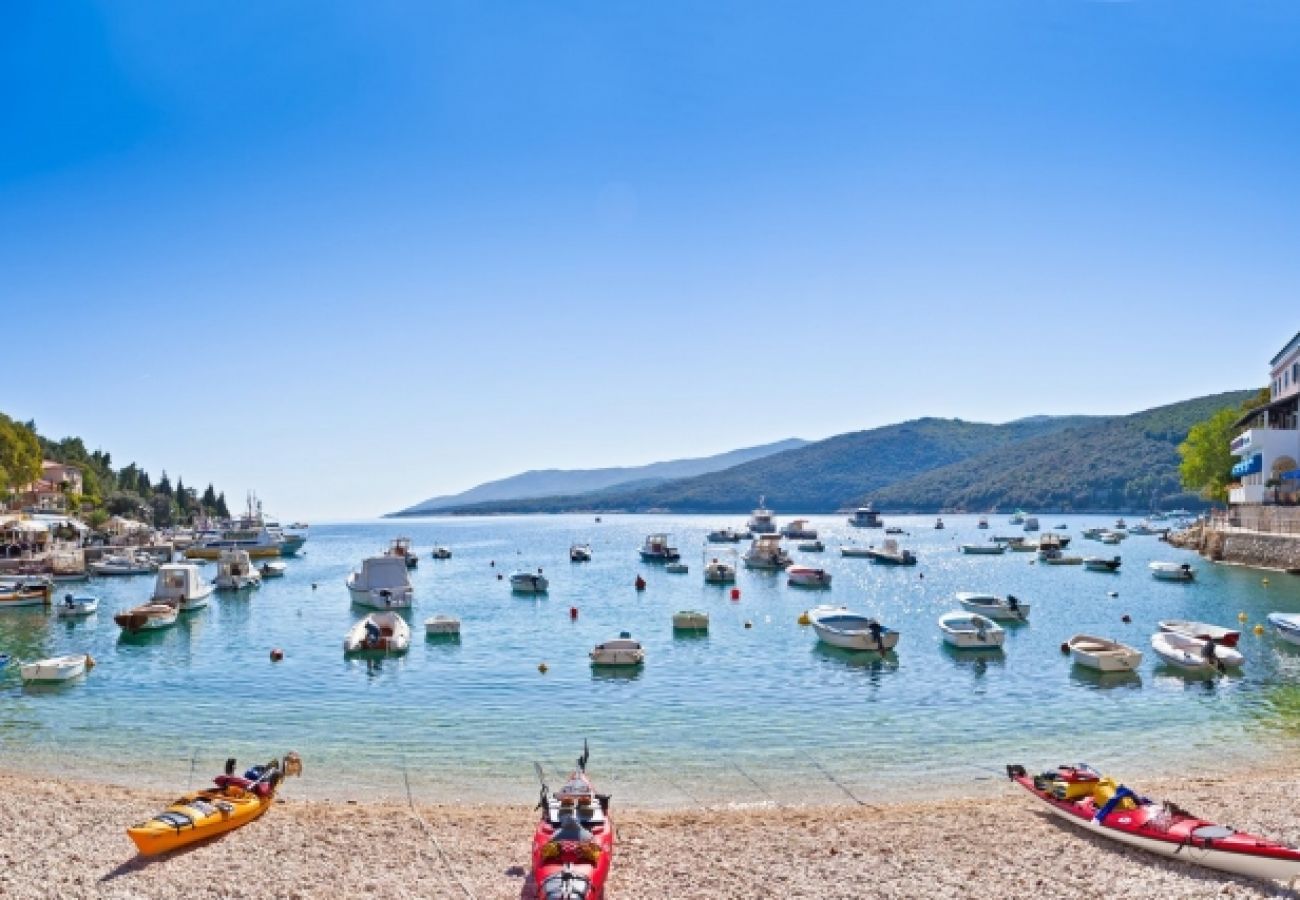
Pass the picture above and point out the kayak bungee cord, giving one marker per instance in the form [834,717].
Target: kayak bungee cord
[433,838]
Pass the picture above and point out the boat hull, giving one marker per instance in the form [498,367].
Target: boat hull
[49,671]
[154,837]
[399,599]
[855,640]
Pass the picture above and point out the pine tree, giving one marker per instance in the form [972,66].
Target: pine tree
[210,498]
[222,509]
[164,485]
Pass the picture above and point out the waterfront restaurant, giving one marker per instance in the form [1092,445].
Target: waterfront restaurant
[1268,447]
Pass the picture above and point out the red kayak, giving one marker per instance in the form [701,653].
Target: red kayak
[1080,795]
[574,841]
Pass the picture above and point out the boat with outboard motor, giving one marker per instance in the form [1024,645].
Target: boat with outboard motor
[235,572]
[379,632]
[75,606]
[1007,609]
[840,628]
[690,620]
[1168,571]
[1287,626]
[622,651]
[719,571]
[1102,654]
[890,554]
[807,576]
[232,802]
[811,547]
[658,548]
[1081,796]
[970,631]
[1202,631]
[529,582]
[20,592]
[580,553]
[573,844]
[382,582]
[1101,564]
[56,669]
[1194,655]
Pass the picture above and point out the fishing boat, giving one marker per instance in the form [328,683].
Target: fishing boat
[16,593]
[1030,523]
[1287,626]
[1092,534]
[983,523]
[622,651]
[1101,564]
[573,844]
[890,554]
[894,529]
[970,631]
[440,552]
[435,625]
[1079,795]
[75,607]
[580,553]
[724,536]
[807,576]
[938,524]
[1167,571]
[1007,608]
[691,620]
[382,582]
[182,585]
[760,520]
[235,572]
[378,632]
[677,568]
[55,669]
[232,802]
[766,552]
[658,548]
[798,530]
[989,549]
[146,617]
[717,571]
[272,569]
[401,548]
[529,582]
[1194,655]
[811,547]
[840,628]
[865,517]
[1110,537]
[1102,654]
[123,564]
[1202,631]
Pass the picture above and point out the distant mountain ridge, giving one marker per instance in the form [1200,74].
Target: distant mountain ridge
[549,482]
[1040,462]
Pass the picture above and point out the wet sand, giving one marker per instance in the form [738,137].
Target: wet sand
[67,839]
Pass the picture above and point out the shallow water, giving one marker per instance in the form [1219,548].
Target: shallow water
[742,715]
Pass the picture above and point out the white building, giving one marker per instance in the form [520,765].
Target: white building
[1268,450]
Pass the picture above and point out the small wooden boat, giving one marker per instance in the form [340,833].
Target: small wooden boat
[622,651]
[1080,796]
[1101,564]
[58,668]
[147,617]
[807,576]
[441,625]
[580,553]
[74,606]
[1102,654]
[1202,631]
[1193,655]
[970,631]
[379,632]
[841,628]
[691,620]
[573,844]
[1000,608]
[989,549]
[273,569]
[232,802]
[529,582]
[1287,626]
[1167,571]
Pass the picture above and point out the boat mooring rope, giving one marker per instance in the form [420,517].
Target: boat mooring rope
[433,838]
[839,784]
[762,790]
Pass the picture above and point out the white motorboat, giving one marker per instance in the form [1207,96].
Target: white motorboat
[766,552]
[235,571]
[74,606]
[798,530]
[1031,523]
[724,536]
[1287,626]
[970,631]
[840,628]
[811,547]
[273,569]
[691,620]
[1103,654]
[402,549]
[1201,631]
[123,564]
[983,522]
[890,554]
[379,632]
[718,571]
[529,583]
[58,668]
[807,576]
[1168,571]
[989,549]
[659,548]
[19,592]
[147,617]
[760,520]
[1192,655]
[382,582]
[580,553]
[1052,556]
[853,551]
[1017,519]
[938,524]
[865,517]
[1142,528]
[1101,563]
[1120,525]
[622,651]
[1092,534]
[182,585]
[1109,537]
[442,625]
[677,568]
[440,552]
[991,606]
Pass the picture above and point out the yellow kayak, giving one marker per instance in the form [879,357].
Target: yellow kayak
[232,801]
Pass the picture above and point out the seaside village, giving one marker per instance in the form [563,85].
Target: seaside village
[50,558]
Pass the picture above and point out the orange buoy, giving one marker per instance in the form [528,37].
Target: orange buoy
[735,593]
[277,654]
[573,613]
[640,583]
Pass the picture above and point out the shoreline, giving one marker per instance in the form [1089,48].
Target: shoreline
[73,845]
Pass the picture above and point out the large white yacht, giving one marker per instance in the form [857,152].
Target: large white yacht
[865,517]
[761,521]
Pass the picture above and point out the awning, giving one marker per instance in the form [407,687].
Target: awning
[1249,466]
[1290,475]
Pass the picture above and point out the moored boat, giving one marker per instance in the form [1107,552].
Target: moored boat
[890,554]
[658,548]
[1030,523]
[1168,571]
[75,606]
[807,576]
[378,632]
[718,571]
[573,844]
[938,524]
[18,592]
[55,669]
[435,625]
[760,520]
[1009,608]
[1202,631]
[1101,563]
[766,552]
[529,583]
[382,582]
[440,552]
[798,530]
[989,549]
[182,585]
[840,628]
[691,620]
[983,522]
[622,651]
[726,535]
[677,568]
[146,617]
[1287,626]
[401,548]
[970,631]
[1079,795]
[865,517]
[811,547]
[1103,654]
[580,553]
[123,564]
[1194,655]
[272,569]
[235,571]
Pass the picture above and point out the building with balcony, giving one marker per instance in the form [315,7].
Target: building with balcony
[1268,447]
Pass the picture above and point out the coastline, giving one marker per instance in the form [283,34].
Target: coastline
[73,845]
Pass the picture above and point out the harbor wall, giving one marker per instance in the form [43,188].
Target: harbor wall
[1242,547]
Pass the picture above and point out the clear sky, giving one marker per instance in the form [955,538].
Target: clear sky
[353,255]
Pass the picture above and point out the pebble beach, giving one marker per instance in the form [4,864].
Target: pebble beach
[67,839]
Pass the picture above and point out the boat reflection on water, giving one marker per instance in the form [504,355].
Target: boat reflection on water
[1091,678]
[871,660]
[978,661]
[616,673]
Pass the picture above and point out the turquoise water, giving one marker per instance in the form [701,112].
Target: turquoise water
[742,715]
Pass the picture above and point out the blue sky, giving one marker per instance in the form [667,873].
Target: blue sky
[354,255]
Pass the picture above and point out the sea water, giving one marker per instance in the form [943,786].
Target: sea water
[754,711]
